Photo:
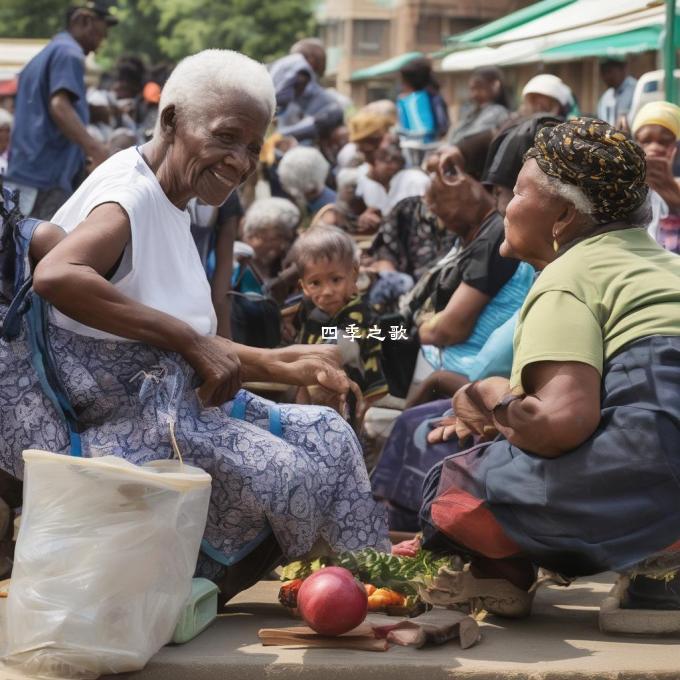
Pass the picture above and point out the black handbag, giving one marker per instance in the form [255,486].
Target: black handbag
[398,356]
[255,317]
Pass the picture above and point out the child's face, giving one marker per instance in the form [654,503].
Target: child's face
[385,168]
[329,284]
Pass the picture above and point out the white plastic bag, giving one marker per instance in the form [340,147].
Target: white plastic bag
[103,562]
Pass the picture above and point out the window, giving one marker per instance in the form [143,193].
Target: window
[429,30]
[370,37]
[333,33]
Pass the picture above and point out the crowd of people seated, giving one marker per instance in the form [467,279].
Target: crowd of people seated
[516,290]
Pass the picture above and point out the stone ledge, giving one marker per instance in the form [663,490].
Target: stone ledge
[561,641]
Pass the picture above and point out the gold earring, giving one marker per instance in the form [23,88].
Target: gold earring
[556,245]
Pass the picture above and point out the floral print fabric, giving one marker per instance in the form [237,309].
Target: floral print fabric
[308,484]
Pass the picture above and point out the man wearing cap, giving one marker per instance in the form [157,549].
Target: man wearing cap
[50,142]
[615,103]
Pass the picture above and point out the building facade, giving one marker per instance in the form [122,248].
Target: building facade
[361,33]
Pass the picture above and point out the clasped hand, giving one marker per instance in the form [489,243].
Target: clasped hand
[472,405]
[218,365]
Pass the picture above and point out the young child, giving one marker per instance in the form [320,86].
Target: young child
[332,312]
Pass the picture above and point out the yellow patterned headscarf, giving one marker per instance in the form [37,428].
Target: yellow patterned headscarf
[659,113]
[597,158]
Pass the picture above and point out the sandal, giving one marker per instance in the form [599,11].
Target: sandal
[495,595]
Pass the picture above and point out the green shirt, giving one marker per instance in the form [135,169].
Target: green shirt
[601,295]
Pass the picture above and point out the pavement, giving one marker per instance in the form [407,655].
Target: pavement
[560,640]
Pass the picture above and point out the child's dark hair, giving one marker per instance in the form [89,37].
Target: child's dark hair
[417,73]
[323,242]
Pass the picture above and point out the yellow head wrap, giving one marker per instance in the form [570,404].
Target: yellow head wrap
[659,113]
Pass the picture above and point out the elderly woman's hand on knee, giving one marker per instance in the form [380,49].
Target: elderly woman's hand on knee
[217,364]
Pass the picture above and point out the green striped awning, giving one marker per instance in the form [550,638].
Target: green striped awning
[385,68]
[641,39]
[506,23]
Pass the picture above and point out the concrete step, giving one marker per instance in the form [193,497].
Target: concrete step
[561,640]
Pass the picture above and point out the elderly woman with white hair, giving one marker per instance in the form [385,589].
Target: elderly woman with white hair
[132,328]
[269,229]
[303,171]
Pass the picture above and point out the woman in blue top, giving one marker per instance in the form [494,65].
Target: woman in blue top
[422,110]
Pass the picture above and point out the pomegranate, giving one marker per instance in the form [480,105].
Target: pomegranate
[332,601]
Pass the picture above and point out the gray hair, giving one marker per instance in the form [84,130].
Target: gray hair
[347,177]
[271,213]
[324,242]
[568,192]
[302,171]
[640,217]
[212,74]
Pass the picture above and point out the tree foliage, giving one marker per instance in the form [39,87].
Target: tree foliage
[172,29]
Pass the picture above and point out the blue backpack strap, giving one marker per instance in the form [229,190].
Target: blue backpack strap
[11,324]
[238,411]
[45,367]
[238,407]
[28,306]
[275,426]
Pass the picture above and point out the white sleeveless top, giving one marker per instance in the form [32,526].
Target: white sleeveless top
[161,267]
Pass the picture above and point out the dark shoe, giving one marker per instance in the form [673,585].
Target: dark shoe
[254,567]
[651,593]
[642,606]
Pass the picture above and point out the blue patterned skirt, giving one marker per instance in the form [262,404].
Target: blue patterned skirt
[309,483]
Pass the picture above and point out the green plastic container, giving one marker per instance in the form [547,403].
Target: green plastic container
[199,611]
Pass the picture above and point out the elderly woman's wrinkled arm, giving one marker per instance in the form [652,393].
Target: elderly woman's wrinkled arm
[72,277]
[314,366]
[560,411]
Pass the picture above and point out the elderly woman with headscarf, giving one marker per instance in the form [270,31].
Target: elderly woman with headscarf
[585,476]
[132,331]
[656,129]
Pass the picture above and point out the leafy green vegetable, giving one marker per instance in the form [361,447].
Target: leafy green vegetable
[301,569]
[383,570]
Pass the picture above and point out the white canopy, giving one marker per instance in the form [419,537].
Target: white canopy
[15,53]
[623,15]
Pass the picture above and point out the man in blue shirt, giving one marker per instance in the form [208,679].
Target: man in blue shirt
[50,143]
[615,103]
